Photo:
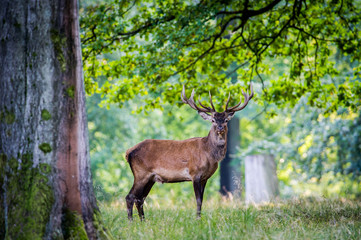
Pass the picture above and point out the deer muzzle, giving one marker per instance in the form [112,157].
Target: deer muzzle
[220,129]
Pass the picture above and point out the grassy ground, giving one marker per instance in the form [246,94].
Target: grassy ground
[293,219]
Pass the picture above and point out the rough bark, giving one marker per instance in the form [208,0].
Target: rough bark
[230,175]
[46,186]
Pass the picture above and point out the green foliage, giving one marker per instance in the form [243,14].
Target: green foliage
[310,146]
[297,219]
[148,49]
[303,57]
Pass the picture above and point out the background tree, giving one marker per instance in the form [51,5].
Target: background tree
[294,50]
[46,185]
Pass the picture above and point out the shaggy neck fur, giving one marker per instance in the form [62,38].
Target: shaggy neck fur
[217,143]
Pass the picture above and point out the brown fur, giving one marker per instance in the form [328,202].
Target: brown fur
[170,161]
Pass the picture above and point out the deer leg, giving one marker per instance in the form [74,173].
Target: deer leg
[135,194]
[130,198]
[139,201]
[199,187]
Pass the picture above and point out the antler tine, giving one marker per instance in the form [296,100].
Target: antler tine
[210,97]
[183,95]
[252,93]
[246,100]
[229,98]
[205,107]
[191,102]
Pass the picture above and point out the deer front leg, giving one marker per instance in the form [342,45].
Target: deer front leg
[199,186]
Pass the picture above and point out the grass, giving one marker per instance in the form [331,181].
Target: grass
[293,219]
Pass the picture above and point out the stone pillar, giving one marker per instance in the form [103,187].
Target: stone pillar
[261,180]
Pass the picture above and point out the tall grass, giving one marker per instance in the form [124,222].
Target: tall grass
[293,219]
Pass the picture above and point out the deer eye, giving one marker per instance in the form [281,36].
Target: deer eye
[213,121]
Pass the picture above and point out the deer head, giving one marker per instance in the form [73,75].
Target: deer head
[219,119]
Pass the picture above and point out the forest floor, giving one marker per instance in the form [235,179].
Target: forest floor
[292,219]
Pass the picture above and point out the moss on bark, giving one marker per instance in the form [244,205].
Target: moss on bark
[73,226]
[45,115]
[29,198]
[59,42]
[9,117]
[70,91]
[45,147]
[2,210]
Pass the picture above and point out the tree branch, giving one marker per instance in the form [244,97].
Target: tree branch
[251,13]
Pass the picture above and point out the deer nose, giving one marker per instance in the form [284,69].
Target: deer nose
[220,128]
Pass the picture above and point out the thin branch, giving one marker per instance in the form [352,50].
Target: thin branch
[311,35]
[251,13]
[216,37]
[260,113]
[260,77]
[263,10]
[235,69]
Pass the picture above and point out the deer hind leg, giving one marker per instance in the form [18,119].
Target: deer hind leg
[137,195]
[139,201]
[199,186]
[130,198]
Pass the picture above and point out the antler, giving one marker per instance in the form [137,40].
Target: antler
[192,104]
[247,97]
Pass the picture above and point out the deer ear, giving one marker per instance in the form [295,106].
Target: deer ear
[205,116]
[230,116]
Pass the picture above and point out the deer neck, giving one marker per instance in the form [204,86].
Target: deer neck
[217,143]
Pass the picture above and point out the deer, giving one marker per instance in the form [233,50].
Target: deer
[170,161]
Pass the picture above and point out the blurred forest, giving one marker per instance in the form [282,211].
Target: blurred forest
[314,133]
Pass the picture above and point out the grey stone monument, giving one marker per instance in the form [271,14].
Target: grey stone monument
[261,180]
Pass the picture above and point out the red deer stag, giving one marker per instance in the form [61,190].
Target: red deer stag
[170,161]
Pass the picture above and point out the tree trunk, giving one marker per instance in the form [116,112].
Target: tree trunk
[230,175]
[46,185]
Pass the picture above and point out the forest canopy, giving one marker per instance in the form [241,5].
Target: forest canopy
[148,49]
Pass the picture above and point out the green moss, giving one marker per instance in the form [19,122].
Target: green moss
[13,163]
[2,162]
[2,212]
[70,91]
[26,157]
[73,226]
[45,147]
[29,199]
[45,115]
[59,41]
[9,117]
[44,168]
